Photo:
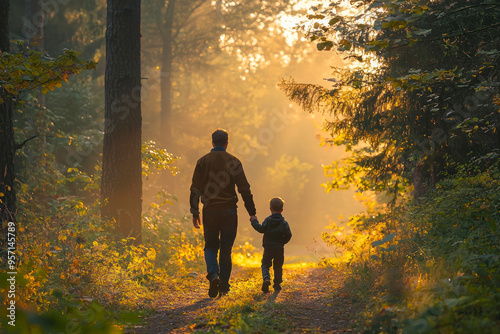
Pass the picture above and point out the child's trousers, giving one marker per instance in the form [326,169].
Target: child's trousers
[273,258]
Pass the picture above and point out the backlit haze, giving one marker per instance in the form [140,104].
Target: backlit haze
[277,142]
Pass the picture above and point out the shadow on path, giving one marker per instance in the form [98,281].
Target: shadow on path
[308,301]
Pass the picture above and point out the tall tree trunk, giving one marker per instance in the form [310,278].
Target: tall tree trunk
[418,182]
[35,15]
[121,186]
[166,77]
[8,204]
[4,25]
[7,149]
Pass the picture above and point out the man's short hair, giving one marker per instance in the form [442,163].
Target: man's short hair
[276,204]
[220,137]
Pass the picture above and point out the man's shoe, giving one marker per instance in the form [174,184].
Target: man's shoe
[224,289]
[277,288]
[265,285]
[213,290]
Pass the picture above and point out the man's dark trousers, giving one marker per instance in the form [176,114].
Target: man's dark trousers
[219,228]
[273,257]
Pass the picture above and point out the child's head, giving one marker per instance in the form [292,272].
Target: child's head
[276,205]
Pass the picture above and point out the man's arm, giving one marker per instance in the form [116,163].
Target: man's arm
[194,196]
[194,199]
[196,222]
[244,190]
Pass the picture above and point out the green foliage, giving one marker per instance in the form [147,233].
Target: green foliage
[421,85]
[77,107]
[69,256]
[155,159]
[404,111]
[432,265]
[70,260]
[178,246]
[28,69]
[87,319]
[418,110]
[463,213]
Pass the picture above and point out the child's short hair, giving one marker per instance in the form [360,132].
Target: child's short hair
[276,204]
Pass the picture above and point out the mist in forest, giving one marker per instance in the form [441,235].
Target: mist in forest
[279,146]
[220,67]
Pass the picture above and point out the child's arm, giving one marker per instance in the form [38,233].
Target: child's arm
[288,233]
[258,227]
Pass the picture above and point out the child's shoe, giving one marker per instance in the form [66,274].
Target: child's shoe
[265,285]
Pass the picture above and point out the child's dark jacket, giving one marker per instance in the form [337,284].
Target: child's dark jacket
[276,231]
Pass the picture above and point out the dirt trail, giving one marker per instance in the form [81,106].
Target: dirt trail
[307,302]
[313,307]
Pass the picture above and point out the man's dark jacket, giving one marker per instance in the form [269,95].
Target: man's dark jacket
[276,231]
[214,180]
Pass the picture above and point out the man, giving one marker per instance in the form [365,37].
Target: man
[214,179]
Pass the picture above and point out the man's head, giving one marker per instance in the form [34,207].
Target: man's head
[220,137]
[276,205]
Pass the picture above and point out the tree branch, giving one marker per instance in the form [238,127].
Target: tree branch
[473,6]
[19,146]
[195,7]
[446,36]
[466,32]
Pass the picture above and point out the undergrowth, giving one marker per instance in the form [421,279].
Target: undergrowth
[431,266]
[73,272]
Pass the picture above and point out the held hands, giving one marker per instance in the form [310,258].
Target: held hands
[196,222]
[253,218]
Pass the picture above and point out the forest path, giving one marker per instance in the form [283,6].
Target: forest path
[308,303]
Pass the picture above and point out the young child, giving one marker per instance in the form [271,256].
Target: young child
[276,234]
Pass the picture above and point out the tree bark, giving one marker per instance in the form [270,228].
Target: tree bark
[8,203]
[121,185]
[35,14]
[166,77]
[4,25]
